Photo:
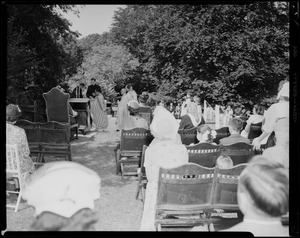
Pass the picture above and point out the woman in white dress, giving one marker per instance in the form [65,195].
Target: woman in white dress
[165,152]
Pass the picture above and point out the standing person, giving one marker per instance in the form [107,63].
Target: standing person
[78,92]
[90,93]
[98,109]
[184,104]
[131,94]
[122,112]
[63,194]
[191,119]
[166,152]
[17,135]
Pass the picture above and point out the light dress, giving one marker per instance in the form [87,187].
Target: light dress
[17,135]
[160,154]
[277,120]
[253,119]
[98,109]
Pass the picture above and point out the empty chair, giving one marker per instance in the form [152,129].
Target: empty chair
[254,131]
[184,193]
[55,140]
[188,136]
[240,152]
[131,147]
[204,154]
[58,108]
[221,133]
[13,168]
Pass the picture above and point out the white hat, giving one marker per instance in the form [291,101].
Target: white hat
[63,188]
[164,125]
[285,90]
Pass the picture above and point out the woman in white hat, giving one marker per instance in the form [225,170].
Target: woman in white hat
[277,120]
[63,194]
[165,152]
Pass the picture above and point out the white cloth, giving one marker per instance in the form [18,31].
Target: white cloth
[63,188]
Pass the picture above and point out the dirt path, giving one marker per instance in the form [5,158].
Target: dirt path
[117,207]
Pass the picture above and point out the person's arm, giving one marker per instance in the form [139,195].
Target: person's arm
[256,141]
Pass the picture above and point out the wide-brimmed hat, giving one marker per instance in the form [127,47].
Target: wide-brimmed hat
[13,112]
[62,187]
[164,125]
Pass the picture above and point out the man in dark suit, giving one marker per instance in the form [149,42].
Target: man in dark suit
[91,89]
[91,92]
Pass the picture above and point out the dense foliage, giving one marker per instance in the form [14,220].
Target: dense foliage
[221,53]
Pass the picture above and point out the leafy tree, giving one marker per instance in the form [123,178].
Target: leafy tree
[219,52]
[37,54]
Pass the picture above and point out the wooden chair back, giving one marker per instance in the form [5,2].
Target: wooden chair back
[255,130]
[142,178]
[188,136]
[225,187]
[146,113]
[240,152]
[204,154]
[29,111]
[57,105]
[132,141]
[13,168]
[221,133]
[185,188]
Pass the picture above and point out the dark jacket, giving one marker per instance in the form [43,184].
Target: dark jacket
[91,89]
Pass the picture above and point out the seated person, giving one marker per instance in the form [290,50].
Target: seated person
[192,118]
[63,194]
[235,127]
[165,152]
[263,198]
[257,117]
[134,120]
[224,162]
[205,134]
[17,135]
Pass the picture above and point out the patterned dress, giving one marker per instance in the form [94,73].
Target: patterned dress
[17,135]
[99,114]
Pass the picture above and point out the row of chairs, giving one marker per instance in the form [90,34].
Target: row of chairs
[128,157]
[189,194]
[189,136]
[48,138]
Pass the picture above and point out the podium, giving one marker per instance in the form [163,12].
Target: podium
[81,105]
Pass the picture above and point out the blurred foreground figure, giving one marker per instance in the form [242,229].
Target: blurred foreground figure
[63,195]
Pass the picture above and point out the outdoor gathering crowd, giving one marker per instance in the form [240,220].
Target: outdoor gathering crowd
[263,189]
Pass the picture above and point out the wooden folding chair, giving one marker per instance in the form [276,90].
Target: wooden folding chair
[33,137]
[225,191]
[141,188]
[188,136]
[221,133]
[55,140]
[131,146]
[13,168]
[58,107]
[240,152]
[184,196]
[146,113]
[204,154]
[254,131]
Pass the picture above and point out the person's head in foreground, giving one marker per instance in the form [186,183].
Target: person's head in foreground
[224,162]
[205,134]
[164,126]
[13,112]
[235,126]
[263,197]
[133,108]
[63,194]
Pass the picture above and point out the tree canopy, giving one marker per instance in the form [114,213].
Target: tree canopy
[222,53]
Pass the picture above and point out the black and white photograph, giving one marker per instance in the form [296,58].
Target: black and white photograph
[151,117]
